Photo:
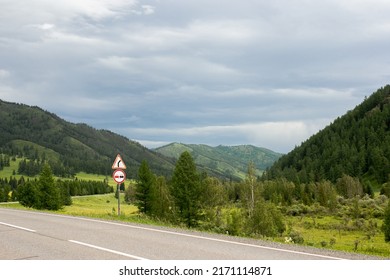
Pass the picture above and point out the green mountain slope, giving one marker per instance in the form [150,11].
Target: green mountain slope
[32,132]
[356,144]
[231,162]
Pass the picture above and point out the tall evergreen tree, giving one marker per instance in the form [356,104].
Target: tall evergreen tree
[28,194]
[50,193]
[162,201]
[186,189]
[144,188]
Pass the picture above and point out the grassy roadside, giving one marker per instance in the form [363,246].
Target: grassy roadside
[99,206]
[103,206]
[322,232]
[336,234]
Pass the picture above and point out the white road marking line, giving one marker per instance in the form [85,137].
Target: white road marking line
[13,226]
[107,250]
[188,235]
[214,239]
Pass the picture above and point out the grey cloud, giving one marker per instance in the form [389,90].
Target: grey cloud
[215,72]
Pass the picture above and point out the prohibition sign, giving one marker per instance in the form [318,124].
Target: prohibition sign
[119,176]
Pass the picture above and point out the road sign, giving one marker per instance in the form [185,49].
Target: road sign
[118,163]
[119,176]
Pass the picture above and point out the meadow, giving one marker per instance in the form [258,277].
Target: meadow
[338,234]
[99,206]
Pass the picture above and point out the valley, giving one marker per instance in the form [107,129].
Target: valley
[331,192]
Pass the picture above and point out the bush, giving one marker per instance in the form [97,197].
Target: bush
[234,222]
[386,223]
[266,220]
[297,210]
[385,190]
[296,237]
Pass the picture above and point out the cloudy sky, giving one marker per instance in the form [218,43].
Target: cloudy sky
[261,72]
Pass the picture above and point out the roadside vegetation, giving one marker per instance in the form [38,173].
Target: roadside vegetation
[322,214]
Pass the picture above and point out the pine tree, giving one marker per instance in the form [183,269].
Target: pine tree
[186,189]
[28,195]
[144,188]
[50,196]
[130,193]
[162,201]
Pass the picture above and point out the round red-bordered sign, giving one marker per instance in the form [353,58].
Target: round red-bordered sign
[119,176]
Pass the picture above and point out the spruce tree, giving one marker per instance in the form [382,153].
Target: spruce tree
[144,188]
[186,189]
[28,195]
[50,196]
[161,205]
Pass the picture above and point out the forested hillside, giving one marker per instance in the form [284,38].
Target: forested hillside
[356,144]
[228,161]
[320,194]
[40,136]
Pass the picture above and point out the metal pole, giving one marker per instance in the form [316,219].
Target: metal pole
[119,199]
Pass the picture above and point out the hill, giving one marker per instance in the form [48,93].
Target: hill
[227,161]
[356,144]
[34,133]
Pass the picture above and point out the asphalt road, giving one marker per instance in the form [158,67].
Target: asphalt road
[28,235]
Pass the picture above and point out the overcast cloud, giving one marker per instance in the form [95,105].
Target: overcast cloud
[267,73]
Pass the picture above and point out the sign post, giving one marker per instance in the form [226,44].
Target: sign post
[119,177]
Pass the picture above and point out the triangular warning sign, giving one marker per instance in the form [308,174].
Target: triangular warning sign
[118,163]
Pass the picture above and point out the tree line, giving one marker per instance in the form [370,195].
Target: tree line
[254,206]
[45,192]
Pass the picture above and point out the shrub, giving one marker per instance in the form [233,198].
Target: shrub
[386,223]
[267,220]
[296,237]
[234,222]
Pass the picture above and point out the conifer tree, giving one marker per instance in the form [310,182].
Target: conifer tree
[144,188]
[50,196]
[162,201]
[186,189]
[28,195]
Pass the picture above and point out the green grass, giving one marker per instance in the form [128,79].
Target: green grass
[337,234]
[9,171]
[95,177]
[91,177]
[98,206]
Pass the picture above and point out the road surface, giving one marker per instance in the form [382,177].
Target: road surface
[26,235]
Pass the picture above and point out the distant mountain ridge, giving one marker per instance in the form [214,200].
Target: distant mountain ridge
[33,132]
[37,134]
[228,161]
